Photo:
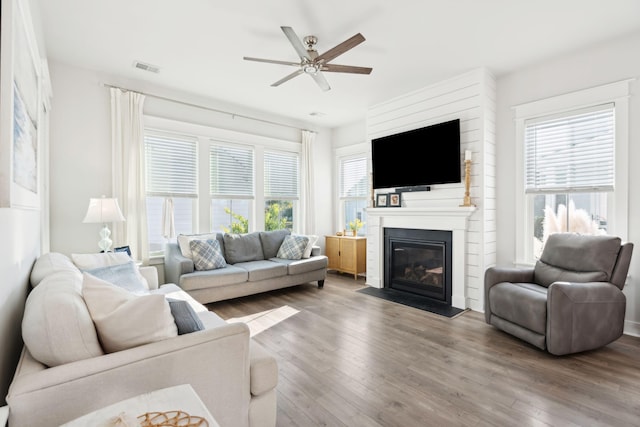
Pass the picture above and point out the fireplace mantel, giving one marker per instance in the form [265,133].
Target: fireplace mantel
[454,219]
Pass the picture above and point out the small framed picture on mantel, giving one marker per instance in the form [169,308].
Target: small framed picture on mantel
[381,200]
[394,200]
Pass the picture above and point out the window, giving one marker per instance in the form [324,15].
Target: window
[281,194]
[231,188]
[218,180]
[572,160]
[171,177]
[569,171]
[354,187]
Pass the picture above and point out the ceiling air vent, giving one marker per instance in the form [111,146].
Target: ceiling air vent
[146,67]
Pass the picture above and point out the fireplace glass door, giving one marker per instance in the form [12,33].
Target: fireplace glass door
[418,263]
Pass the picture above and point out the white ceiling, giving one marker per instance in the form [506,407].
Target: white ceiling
[199,44]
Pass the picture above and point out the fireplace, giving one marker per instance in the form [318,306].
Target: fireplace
[419,262]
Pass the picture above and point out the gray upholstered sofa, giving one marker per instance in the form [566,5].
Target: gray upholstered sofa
[252,266]
[572,299]
[64,371]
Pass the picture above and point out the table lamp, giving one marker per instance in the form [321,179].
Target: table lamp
[102,211]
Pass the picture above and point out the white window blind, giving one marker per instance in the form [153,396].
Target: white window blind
[231,171]
[572,152]
[281,172]
[353,177]
[171,165]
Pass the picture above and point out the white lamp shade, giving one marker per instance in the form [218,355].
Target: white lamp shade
[103,210]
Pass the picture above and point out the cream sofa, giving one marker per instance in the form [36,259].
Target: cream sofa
[63,373]
[252,266]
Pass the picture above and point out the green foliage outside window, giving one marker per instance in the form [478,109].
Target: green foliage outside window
[277,216]
[240,226]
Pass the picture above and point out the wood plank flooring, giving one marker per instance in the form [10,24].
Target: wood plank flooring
[348,359]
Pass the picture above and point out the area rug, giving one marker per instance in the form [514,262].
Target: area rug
[412,300]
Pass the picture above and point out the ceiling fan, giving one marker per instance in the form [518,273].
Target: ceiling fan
[313,64]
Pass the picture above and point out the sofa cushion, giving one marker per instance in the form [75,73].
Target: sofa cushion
[293,247]
[56,326]
[184,239]
[104,259]
[185,317]
[242,247]
[271,241]
[50,263]
[229,275]
[300,266]
[262,270]
[122,275]
[125,320]
[524,304]
[207,254]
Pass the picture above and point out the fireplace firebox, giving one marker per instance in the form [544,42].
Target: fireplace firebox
[418,262]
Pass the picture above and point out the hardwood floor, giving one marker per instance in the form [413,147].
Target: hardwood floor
[348,359]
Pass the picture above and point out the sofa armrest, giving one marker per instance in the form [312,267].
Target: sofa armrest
[264,370]
[175,265]
[206,359]
[151,274]
[583,316]
[495,275]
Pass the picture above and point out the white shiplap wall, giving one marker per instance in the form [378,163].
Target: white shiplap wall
[469,97]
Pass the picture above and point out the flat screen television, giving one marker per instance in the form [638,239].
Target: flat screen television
[419,157]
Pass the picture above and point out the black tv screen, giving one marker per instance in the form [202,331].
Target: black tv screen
[424,156]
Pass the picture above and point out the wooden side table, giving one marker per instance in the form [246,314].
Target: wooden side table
[181,397]
[347,254]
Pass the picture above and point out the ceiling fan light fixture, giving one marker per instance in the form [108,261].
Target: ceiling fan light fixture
[310,68]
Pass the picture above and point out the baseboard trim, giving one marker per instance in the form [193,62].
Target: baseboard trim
[632,328]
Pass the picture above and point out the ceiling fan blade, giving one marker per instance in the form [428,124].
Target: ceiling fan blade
[335,68]
[271,61]
[287,78]
[321,81]
[341,48]
[296,43]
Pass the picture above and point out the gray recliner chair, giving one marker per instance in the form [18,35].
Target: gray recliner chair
[572,299]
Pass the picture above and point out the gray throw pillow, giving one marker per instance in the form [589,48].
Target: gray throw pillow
[122,275]
[293,247]
[242,247]
[206,254]
[271,241]
[186,319]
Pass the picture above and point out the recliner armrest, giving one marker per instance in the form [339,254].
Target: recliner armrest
[495,275]
[583,316]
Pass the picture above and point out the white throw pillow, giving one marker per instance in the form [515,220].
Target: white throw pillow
[312,241]
[184,239]
[125,320]
[105,259]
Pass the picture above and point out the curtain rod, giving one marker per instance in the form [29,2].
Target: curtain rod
[204,107]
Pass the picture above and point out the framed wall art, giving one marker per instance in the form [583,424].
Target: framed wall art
[22,108]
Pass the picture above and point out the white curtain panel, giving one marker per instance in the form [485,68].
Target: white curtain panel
[128,172]
[168,220]
[308,206]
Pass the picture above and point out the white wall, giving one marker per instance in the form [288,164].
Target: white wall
[605,63]
[21,238]
[81,146]
[469,97]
